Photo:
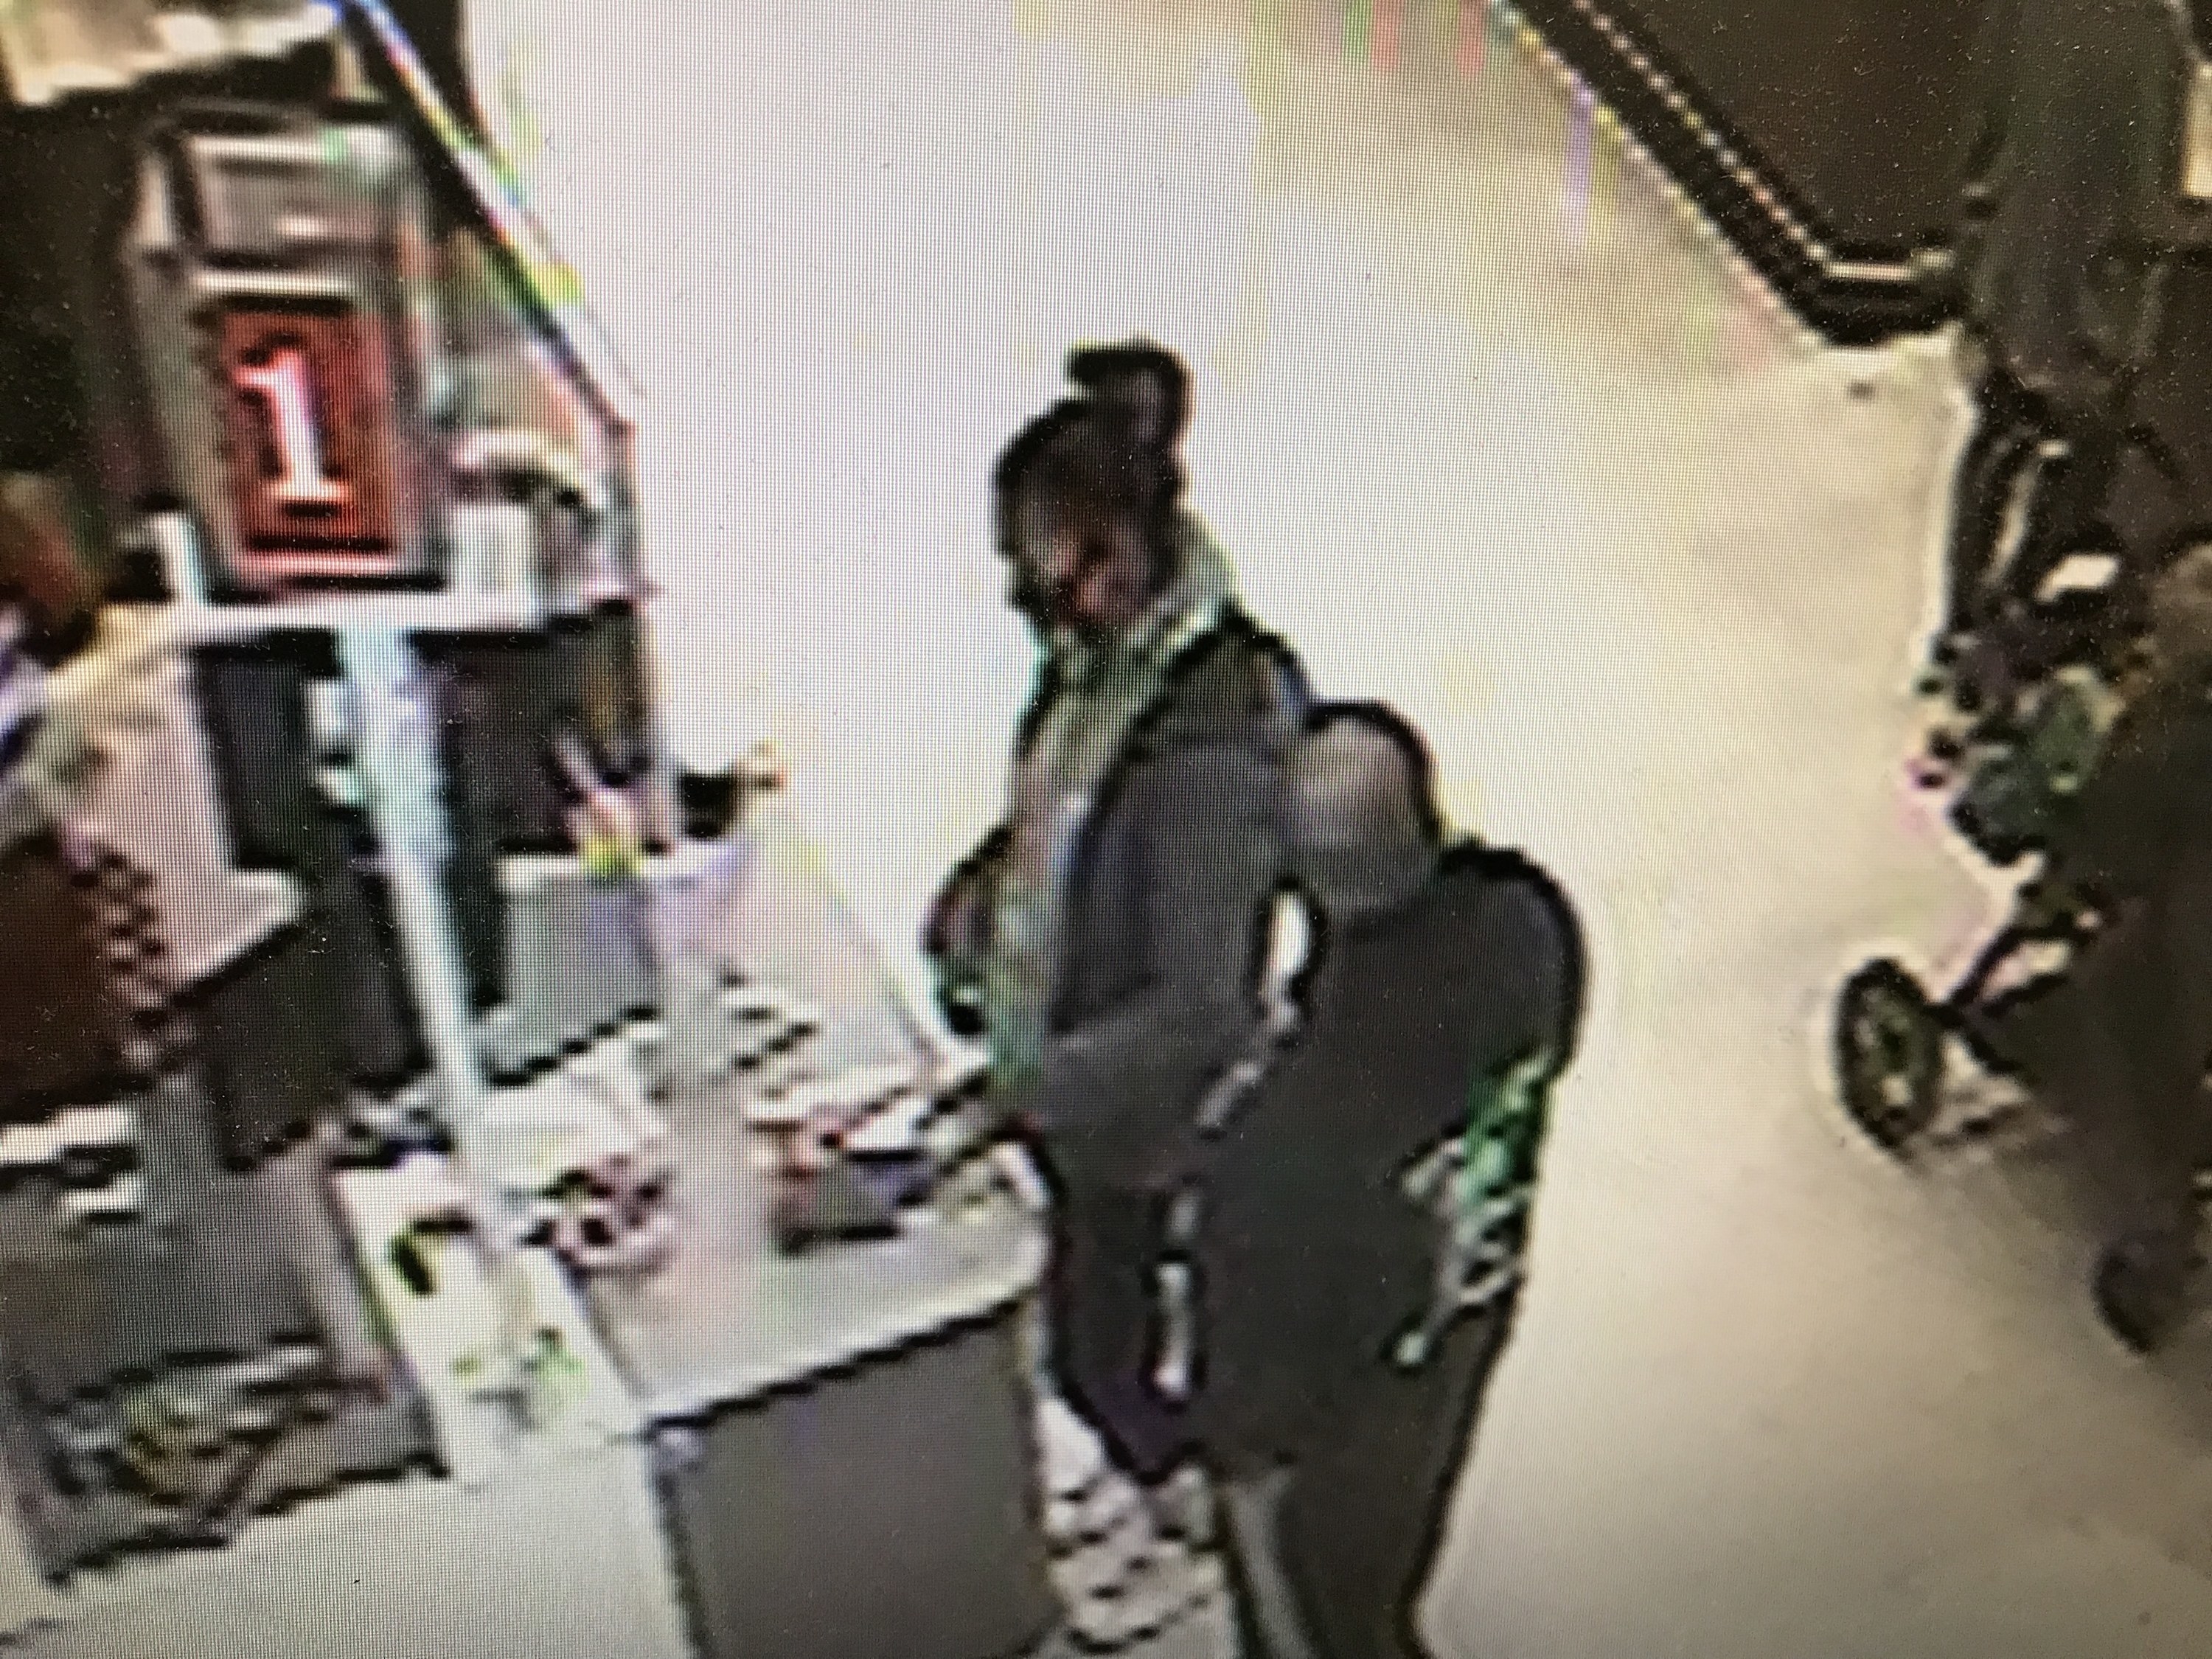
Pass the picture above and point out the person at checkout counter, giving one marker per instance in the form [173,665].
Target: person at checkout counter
[73,672]
[72,676]
[1103,938]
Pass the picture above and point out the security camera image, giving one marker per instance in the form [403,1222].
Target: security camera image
[1181,829]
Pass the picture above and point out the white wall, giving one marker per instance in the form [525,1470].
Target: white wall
[1648,571]
[845,247]
[842,293]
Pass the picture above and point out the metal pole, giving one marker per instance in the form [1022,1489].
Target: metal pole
[398,755]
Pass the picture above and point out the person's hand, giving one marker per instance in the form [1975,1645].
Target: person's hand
[606,833]
[105,697]
[960,1002]
[973,1127]
[1937,272]
[605,826]
[762,769]
[2051,903]
[1008,1110]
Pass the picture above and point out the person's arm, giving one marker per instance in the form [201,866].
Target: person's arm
[955,933]
[956,927]
[1118,1094]
[1508,1116]
[106,694]
[1996,42]
[1943,271]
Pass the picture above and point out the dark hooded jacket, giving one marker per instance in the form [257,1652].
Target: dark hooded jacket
[1159,931]
[1311,1258]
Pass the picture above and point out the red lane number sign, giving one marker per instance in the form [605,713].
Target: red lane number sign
[309,424]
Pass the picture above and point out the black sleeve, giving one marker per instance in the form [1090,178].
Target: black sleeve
[2141,790]
[955,934]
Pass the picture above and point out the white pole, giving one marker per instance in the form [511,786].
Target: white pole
[398,755]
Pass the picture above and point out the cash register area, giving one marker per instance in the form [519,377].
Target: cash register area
[424,1278]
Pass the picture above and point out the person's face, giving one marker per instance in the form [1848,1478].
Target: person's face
[1089,580]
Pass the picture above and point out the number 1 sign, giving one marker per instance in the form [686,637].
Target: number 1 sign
[310,443]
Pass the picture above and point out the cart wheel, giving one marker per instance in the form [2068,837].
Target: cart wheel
[2141,1295]
[1889,1053]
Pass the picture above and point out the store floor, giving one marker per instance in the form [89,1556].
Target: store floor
[1494,432]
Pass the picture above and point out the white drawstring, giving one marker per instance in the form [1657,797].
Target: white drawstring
[1290,942]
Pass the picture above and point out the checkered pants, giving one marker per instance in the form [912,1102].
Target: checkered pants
[128,936]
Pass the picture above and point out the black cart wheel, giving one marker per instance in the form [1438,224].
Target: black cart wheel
[2141,1294]
[1889,1053]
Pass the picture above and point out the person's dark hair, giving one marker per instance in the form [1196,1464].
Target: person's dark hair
[1402,735]
[1098,470]
[1142,377]
[1019,458]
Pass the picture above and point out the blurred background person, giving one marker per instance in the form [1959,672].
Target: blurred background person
[2070,195]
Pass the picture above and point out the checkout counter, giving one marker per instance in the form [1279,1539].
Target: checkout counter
[494,1081]
[825,1453]
[845,1437]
